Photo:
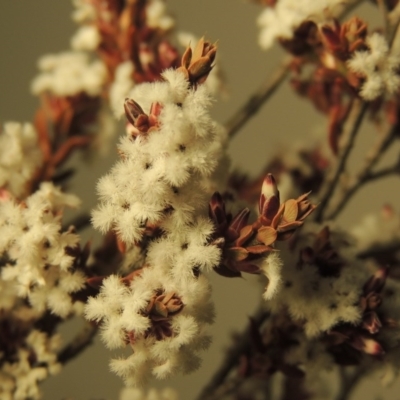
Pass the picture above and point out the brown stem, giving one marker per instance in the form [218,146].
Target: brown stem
[366,174]
[78,344]
[379,250]
[348,383]
[351,129]
[232,358]
[236,122]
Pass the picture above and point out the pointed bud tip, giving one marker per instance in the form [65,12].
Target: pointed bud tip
[269,187]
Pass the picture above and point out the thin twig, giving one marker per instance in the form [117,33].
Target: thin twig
[232,357]
[380,249]
[366,174]
[382,173]
[78,344]
[352,126]
[348,383]
[240,117]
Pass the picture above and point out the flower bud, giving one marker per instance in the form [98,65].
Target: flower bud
[269,199]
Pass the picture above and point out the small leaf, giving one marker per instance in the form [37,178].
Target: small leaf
[198,50]
[259,249]
[278,216]
[291,210]
[237,253]
[266,235]
[245,234]
[290,226]
[187,57]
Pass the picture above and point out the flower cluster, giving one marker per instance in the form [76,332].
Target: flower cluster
[322,288]
[26,359]
[281,20]
[162,319]
[68,74]
[249,247]
[329,311]
[378,67]
[154,198]
[172,212]
[347,61]
[21,161]
[37,256]
[41,272]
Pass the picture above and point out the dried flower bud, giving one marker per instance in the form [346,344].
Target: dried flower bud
[305,207]
[269,199]
[216,211]
[198,64]
[141,122]
[161,307]
[371,346]
[371,322]
[237,224]
[132,110]
[376,282]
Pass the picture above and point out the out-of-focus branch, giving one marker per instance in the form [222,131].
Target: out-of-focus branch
[242,346]
[380,249]
[351,129]
[236,122]
[78,344]
[366,175]
[348,382]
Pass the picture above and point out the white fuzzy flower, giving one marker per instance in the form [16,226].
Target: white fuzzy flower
[161,181]
[84,11]
[166,169]
[20,157]
[70,73]
[86,38]
[321,301]
[19,380]
[38,263]
[378,66]
[282,20]
[161,346]
[156,16]
[271,267]
[121,86]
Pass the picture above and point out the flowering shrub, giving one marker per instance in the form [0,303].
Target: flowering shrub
[173,212]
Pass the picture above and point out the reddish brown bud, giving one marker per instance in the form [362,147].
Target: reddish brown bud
[132,110]
[377,281]
[216,209]
[197,65]
[269,199]
[371,322]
